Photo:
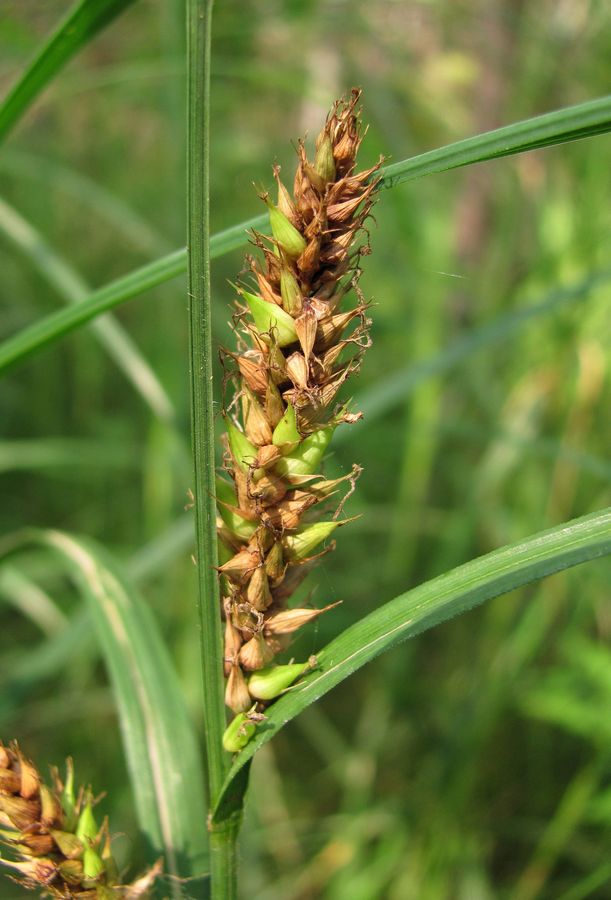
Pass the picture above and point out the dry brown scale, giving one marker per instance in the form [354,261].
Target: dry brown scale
[298,342]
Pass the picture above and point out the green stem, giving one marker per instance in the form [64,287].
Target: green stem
[224,860]
[199,22]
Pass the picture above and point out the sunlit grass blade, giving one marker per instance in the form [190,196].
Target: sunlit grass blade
[71,287]
[56,325]
[422,608]
[80,25]
[558,127]
[160,744]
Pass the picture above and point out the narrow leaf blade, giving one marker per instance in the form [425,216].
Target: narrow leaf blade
[422,608]
[61,276]
[558,127]
[159,740]
[570,124]
[81,24]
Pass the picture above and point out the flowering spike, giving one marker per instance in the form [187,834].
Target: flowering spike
[48,851]
[289,369]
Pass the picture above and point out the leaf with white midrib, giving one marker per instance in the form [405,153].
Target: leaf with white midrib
[160,744]
[417,610]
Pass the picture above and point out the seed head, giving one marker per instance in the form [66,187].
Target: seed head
[54,843]
[300,338]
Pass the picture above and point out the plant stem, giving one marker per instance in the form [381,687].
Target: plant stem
[199,22]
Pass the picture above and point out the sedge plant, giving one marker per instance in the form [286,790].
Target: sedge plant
[263,517]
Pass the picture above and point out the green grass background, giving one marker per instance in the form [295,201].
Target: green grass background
[473,762]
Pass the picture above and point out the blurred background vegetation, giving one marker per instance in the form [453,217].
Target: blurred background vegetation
[474,762]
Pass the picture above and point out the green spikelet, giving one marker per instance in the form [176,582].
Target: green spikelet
[267,684]
[306,459]
[238,733]
[301,545]
[288,237]
[286,436]
[271,320]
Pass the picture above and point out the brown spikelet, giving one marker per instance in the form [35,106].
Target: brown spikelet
[52,840]
[299,340]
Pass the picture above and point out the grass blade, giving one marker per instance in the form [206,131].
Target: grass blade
[80,25]
[71,287]
[558,127]
[56,325]
[167,781]
[90,305]
[584,120]
[422,608]
[45,660]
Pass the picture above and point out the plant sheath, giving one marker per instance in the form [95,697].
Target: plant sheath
[199,22]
